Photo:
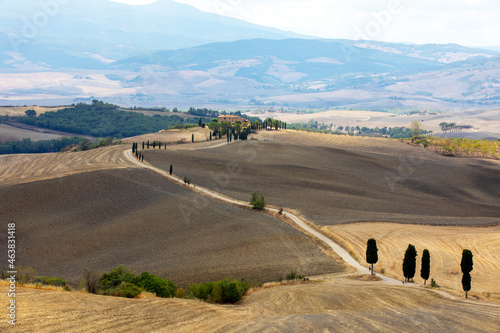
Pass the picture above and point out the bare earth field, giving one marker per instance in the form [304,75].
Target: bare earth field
[101,219]
[445,245]
[95,210]
[337,304]
[393,183]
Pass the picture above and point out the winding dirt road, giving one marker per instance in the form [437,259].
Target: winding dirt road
[299,222]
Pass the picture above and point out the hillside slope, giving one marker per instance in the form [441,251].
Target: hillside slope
[98,220]
[338,304]
[352,180]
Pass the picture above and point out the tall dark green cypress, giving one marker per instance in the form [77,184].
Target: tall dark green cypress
[210,136]
[147,144]
[425,271]
[142,145]
[192,137]
[467,266]
[171,169]
[371,253]
[410,262]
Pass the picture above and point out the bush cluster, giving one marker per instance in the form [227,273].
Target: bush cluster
[222,291]
[256,202]
[122,282]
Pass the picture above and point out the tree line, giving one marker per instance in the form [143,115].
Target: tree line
[410,264]
[101,119]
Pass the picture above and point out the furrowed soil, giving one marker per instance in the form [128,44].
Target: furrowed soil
[336,179]
[23,168]
[98,220]
[445,245]
[337,304]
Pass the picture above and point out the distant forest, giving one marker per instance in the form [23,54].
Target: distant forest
[27,146]
[101,119]
[393,132]
[214,113]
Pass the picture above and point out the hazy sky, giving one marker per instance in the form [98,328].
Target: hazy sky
[466,22]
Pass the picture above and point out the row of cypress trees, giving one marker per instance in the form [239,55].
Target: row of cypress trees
[410,263]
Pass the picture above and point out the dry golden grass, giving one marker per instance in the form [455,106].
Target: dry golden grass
[19,110]
[382,146]
[445,245]
[173,136]
[23,168]
[337,303]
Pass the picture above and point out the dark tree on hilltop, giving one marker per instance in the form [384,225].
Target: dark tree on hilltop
[425,271]
[467,266]
[410,262]
[192,137]
[171,169]
[371,253]
[30,113]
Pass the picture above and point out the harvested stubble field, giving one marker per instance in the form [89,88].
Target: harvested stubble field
[98,220]
[332,179]
[338,304]
[445,245]
[173,136]
[20,110]
[23,168]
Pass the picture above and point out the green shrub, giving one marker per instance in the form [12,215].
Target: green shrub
[434,284]
[256,202]
[114,278]
[126,289]
[294,276]
[154,284]
[222,291]
[51,281]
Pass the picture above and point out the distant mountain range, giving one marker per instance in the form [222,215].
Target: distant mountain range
[172,54]
[92,32]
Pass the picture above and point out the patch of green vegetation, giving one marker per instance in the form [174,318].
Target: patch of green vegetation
[222,291]
[256,202]
[51,281]
[27,146]
[120,281]
[101,119]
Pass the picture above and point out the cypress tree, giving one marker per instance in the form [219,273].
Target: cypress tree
[171,169]
[147,144]
[192,137]
[425,271]
[467,266]
[199,122]
[371,253]
[143,145]
[410,262]
[142,158]
[159,145]
[210,136]
[154,144]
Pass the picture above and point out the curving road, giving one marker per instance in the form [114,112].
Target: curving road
[299,222]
